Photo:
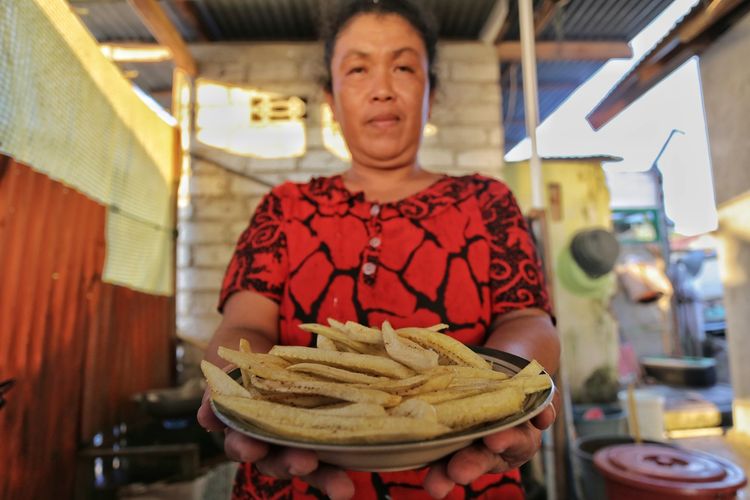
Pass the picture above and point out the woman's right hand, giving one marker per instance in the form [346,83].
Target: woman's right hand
[281,463]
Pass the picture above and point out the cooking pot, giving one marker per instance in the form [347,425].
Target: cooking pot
[174,402]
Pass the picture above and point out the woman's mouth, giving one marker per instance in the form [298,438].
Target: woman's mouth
[384,120]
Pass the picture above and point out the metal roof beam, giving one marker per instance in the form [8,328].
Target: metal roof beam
[164,31]
[544,14]
[567,51]
[188,12]
[705,23]
[495,23]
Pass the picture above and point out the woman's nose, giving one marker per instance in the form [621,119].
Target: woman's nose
[382,89]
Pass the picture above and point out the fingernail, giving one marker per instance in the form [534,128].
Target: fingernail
[297,470]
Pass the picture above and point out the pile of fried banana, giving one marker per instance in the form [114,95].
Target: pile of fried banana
[363,385]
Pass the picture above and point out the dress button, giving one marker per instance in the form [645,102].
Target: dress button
[369,268]
[375,210]
[375,242]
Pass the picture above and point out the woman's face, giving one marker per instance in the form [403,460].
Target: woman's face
[381,95]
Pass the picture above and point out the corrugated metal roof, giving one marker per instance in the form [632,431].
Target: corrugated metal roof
[595,19]
[151,76]
[238,20]
[459,19]
[557,81]
[263,19]
[113,21]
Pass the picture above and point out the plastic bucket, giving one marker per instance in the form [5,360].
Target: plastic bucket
[592,484]
[654,472]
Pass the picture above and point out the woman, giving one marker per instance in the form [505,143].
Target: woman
[386,240]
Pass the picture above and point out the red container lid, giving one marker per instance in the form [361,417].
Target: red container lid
[669,470]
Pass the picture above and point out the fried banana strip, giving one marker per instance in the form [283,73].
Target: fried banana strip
[330,389]
[363,333]
[438,328]
[333,373]
[245,347]
[533,368]
[221,383]
[449,395]
[435,383]
[336,336]
[364,363]
[471,372]
[308,425]
[450,349]
[353,410]
[311,402]
[415,408]
[528,385]
[325,343]
[469,383]
[474,410]
[407,352]
[400,386]
[248,359]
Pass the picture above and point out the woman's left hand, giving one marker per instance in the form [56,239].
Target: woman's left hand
[500,452]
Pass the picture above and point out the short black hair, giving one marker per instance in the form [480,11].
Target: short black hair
[419,18]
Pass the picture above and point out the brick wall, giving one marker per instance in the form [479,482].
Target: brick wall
[469,139]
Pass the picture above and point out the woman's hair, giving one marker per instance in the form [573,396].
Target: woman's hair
[421,21]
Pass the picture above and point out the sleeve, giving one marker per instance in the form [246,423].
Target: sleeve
[516,276]
[259,262]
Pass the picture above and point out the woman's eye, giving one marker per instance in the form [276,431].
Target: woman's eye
[407,69]
[356,69]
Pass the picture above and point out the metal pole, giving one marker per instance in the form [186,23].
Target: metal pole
[531,98]
[555,477]
[662,216]
[673,340]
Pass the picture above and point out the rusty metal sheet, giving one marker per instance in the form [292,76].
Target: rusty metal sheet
[77,347]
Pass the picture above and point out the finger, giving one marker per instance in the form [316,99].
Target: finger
[332,481]
[499,442]
[241,448]
[208,419]
[437,483]
[284,463]
[548,416]
[472,462]
[516,446]
[545,418]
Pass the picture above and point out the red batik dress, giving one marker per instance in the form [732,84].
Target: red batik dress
[457,252]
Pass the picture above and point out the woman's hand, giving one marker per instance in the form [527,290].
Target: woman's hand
[500,452]
[251,316]
[528,333]
[281,463]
